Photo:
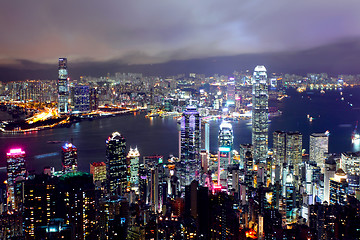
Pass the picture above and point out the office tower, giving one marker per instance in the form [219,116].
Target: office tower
[294,150]
[154,189]
[279,147]
[69,158]
[247,161]
[63,86]
[330,168]
[230,92]
[350,162]
[81,99]
[16,172]
[290,198]
[338,188]
[205,136]
[225,142]
[41,195]
[244,148]
[319,143]
[98,170]
[93,99]
[260,114]
[134,155]
[116,167]
[190,143]
[77,194]
[143,183]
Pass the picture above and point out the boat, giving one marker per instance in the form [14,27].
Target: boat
[355,136]
[54,142]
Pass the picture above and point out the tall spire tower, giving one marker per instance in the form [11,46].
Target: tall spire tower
[63,86]
[260,100]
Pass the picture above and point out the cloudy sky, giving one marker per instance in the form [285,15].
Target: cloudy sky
[143,31]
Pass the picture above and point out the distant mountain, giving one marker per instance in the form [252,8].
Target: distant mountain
[337,58]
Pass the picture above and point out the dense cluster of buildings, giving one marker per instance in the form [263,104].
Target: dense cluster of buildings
[251,191]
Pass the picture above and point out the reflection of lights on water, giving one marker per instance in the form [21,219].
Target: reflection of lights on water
[356,145]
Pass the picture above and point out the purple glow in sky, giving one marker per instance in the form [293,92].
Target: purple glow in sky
[156,31]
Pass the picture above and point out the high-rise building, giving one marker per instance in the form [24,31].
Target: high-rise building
[98,170]
[41,195]
[16,172]
[81,100]
[319,143]
[294,150]
[230,92]
[226,139]
[63,86]
[329,172]
[69,158]
[338,188]
[279,147]
[205,136]
[260,111]
[77,204]
[116,164]
[350,162]
[134,155]
[190,145]
[290,198]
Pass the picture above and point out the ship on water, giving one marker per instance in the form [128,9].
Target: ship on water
[355,136]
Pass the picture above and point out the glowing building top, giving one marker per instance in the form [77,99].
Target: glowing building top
[69,158]
[226,137]
[134,152]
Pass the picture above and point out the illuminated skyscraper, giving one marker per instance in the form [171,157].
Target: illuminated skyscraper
[338,188]
[319,143]
[290,198]
[230,93]
[116,164]
[190,145]
[16,171]
[134,155]
[294,150]
[279,147]
[226,139]
[260,99]
[98,170]
[81,100]
[69,158]
[329,172]
[63,86]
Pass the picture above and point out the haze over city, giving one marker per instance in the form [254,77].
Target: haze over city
[100,37]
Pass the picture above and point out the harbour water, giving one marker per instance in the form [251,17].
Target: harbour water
[160,135]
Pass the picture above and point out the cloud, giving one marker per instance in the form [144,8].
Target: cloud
[155,31]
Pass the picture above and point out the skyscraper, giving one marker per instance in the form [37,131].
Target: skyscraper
[279,147]
[338,188]
[134,155]
[319,143]
[190,145]
[260,114]
[116,164]
[63,86]
[294,150]
[98,170]
[69,158]
[226,139]
[81,99]
[16,171]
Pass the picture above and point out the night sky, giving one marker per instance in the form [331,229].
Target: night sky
[106,36]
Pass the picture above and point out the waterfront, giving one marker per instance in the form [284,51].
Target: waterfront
[160,135]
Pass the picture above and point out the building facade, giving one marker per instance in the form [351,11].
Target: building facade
[260,111]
